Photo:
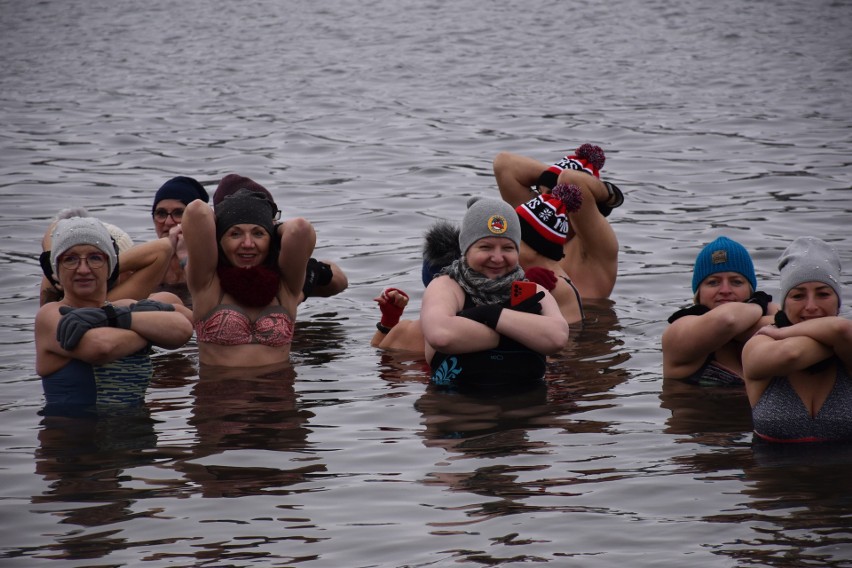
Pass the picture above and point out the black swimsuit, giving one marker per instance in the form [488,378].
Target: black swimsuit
[508,366]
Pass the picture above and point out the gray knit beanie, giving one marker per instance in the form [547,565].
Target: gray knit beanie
[809,259]
[488,218]
[75,231]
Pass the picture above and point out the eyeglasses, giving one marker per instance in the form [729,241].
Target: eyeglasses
[163,214]
[72,261]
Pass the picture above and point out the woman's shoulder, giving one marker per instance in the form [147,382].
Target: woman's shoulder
[48,312]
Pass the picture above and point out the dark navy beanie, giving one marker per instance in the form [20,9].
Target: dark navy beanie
[184,189]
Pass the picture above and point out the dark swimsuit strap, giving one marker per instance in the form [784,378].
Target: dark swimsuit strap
[577,294]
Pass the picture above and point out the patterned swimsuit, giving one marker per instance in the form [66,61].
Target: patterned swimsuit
[781,416]
[82,385]
[229,325]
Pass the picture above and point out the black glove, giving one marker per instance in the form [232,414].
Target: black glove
[781,319]
[696,310]
[531,305]
[318,273]
[147,305]
[75,322]
[762,299]
[488,314]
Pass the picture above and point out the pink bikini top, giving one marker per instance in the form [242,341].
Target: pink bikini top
[227,324]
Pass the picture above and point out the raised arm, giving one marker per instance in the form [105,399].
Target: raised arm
[199,234]
[298,239]
[145,264]
[515,175]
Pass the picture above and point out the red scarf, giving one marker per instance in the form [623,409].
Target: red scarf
[254,287]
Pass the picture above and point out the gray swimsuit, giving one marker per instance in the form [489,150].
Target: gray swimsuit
[781,416]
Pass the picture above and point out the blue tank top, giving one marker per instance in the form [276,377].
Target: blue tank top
[508,367]
[781,416]
[82,385]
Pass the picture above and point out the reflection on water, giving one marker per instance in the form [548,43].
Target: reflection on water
[238,411]
[703,413]
[85,462]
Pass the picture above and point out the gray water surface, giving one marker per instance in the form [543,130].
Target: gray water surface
[372,119]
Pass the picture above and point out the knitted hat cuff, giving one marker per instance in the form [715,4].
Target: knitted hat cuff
[183,189]
[723,255]
[488,218]
[540,244]
[75,231]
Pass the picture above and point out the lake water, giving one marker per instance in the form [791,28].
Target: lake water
[372,119]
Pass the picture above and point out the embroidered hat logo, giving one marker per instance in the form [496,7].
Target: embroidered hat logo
[497,224]
[719,257]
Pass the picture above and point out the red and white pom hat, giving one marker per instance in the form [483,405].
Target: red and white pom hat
[544,219]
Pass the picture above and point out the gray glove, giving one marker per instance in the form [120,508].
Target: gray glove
[75,322]
[147,305]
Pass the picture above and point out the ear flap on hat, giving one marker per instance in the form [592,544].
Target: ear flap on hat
[47,269]
[113,278]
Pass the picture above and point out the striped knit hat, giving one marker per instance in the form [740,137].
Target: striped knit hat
[544,219]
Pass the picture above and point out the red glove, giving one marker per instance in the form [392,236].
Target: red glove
[542,276]
[392,306]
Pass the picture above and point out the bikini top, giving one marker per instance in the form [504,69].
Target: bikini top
[780,414]
[227,324]
[577,294]
[713,373]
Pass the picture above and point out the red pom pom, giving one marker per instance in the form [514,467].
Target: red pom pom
[592,154]
[570,195]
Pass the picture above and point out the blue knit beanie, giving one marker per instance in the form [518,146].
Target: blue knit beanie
[723,255]
[184,189]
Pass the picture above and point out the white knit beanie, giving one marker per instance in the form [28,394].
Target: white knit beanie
[81,231]
[809,259]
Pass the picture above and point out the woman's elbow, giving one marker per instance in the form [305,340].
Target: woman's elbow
[558,340]
[301,229]
[180,331]
[440,338]
[96,350]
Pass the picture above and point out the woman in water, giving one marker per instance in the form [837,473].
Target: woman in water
[797,372]
[591,246]
[92,353]
[475,339]
[244,298]
[704,342]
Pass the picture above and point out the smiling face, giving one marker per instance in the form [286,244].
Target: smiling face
[493,257]
[810,300]
[722,288]
[245,245]
[83,282]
